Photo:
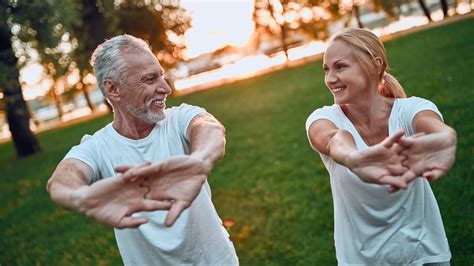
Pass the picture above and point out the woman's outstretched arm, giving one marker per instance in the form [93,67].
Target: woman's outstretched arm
[432,153]
[379,164]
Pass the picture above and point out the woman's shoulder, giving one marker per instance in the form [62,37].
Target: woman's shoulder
[327,109]
[412,100]
[330,112]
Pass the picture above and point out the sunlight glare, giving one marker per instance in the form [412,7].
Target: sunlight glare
[216,24]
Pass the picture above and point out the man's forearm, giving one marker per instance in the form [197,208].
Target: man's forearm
[66,186]
[208,143]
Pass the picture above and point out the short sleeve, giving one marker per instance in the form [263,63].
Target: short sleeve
[326,112]
[413,106]
[185,113]
[86,152]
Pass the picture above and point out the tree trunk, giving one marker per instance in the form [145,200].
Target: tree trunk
[18,115]
[57,102]
[444,7]
[356,15]
[425,9]
[283,42]
[88,98]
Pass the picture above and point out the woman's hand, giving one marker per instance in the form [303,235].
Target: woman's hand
[381,163]
[430,156]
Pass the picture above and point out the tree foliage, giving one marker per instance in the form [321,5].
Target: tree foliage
[307,17]
[26,26]
[61,35]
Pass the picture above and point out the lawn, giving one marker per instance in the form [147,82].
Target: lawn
[270,182]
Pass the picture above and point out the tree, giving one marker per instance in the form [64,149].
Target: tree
[425,10]
[25,25]
[310,18]
[152,20]
[158,22]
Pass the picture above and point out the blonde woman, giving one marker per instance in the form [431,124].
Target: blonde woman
[380,149]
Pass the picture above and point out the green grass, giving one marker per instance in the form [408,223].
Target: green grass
[270,182]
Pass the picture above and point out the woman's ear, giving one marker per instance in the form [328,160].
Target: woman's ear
[380,66]
[111,90]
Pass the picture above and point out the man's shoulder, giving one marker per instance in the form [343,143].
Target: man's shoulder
[182,111]
[100,134]
[183,107]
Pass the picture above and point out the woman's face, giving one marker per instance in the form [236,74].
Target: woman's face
[343,74]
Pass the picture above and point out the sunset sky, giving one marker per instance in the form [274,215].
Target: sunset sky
[217,23]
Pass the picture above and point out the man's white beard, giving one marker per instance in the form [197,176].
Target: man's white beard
[144,113]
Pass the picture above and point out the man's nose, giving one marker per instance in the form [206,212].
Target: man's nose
[164,87]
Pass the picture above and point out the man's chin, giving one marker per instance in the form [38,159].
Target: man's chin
[154,118]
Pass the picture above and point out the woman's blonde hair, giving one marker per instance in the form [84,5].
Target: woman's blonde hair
[366,48]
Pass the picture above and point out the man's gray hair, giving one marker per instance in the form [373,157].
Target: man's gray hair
[108,61]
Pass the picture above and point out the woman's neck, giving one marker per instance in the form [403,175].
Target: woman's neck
[370,118]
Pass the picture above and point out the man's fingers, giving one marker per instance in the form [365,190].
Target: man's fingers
[123,168]
[131,222]
[148,170]
[388,142]
[175,211]
[153,205]
[130,175]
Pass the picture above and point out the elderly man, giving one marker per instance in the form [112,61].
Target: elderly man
[147,161]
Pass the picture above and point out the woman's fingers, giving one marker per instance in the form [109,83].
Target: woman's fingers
[388,142]
[393,189]
[434,174]
[396,181]
[397,169]
[409,176]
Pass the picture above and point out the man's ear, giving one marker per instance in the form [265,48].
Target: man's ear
[111,90]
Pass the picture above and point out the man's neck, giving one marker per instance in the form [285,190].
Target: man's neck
[132,127]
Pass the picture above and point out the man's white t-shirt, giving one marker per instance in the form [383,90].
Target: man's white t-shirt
[372,226]
[197,237]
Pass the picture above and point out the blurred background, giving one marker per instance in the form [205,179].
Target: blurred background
[46,46]
[256,66]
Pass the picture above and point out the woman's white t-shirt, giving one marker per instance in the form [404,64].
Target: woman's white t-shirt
[372,226]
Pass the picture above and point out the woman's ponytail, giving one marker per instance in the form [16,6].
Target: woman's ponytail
[390,87]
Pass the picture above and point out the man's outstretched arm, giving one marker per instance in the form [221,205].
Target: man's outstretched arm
[110,201]
[207,136]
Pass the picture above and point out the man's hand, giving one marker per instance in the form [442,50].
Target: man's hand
[178,179]
[113,200]
[382,163]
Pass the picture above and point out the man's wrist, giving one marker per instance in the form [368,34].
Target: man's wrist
[206,162]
